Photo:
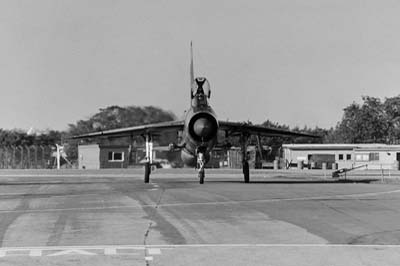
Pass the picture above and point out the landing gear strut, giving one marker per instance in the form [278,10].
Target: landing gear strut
[149,158]
[200,165]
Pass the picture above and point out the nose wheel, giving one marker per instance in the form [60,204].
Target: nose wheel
[200,164]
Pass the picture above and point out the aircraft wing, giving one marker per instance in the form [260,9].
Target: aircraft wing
[137,130]
[237,128]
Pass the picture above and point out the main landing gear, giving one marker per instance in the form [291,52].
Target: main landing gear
[149,158]
[147,172]
[246,172]
[245,164]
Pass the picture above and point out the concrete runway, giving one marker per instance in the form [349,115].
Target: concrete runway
[112,218]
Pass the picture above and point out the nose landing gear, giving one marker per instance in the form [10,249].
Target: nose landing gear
[200,166]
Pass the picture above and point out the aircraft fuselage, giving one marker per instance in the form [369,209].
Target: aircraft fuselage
[200,130]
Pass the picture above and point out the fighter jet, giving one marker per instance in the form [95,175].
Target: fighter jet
[198,131]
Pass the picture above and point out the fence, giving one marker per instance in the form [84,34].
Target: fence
[27,157]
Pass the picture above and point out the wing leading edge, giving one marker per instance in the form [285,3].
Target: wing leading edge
[137,130]
[238,128]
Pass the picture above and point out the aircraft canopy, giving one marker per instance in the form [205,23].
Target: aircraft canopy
[201,85]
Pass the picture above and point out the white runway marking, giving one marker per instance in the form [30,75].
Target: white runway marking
[137,174]
[35,253]
[70,175]
[72,251]
[22,194]
[94,247]
[110,251]
[54,251]
[123,250]
[357,195]
[162,246]
[154,251]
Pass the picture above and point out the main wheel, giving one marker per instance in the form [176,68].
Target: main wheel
[201,176]
[147,171]
[246,172]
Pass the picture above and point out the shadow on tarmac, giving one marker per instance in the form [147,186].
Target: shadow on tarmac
[61,183]
[367,181]
[182,182]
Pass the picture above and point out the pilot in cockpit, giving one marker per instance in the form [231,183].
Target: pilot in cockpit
[200,91]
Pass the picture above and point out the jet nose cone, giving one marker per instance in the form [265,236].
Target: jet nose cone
[203,128]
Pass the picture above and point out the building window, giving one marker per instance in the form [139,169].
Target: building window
[340,157]
[362,157]
[374,156]
[348,157]
[115,156]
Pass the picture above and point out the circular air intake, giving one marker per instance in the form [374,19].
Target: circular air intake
[203,127]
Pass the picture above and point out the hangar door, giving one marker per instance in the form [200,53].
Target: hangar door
[329,159]
[89,156]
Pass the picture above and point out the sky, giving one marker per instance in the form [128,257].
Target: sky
[295,62]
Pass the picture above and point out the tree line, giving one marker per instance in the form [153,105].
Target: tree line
[371,121]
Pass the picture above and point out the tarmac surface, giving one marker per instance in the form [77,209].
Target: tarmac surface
[110,217]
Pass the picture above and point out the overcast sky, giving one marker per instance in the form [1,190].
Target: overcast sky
[294,62]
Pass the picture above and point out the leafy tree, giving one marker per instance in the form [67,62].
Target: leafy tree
[117,117]
[18,137]
[366,123]
[392,110]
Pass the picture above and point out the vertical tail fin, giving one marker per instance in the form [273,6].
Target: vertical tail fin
[191,70]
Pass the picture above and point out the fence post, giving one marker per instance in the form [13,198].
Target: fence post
[28,157]
[43,163]
[35,149]
[13,158]
[9,158]
[22,157]
[2,157]
[5,161]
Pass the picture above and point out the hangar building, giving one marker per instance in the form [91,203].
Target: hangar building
[374,156]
